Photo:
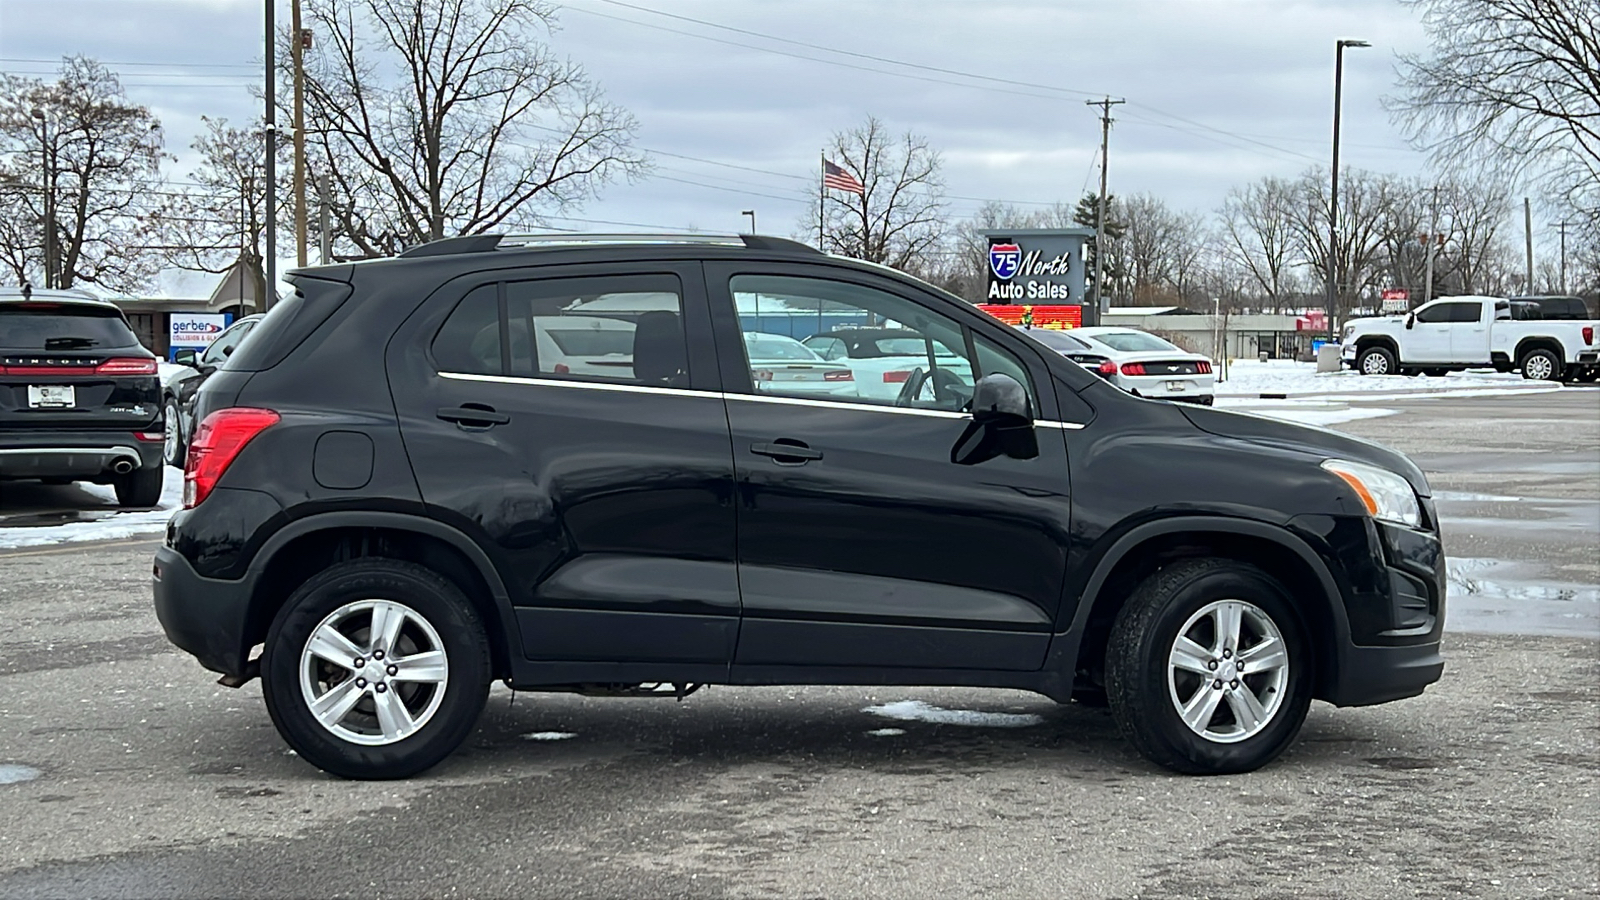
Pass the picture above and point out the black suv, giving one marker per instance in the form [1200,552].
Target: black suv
[546,461]
[80,399]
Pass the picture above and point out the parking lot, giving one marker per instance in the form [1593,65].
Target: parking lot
[125,772]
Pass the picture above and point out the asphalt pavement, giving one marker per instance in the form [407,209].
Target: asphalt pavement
[126,772]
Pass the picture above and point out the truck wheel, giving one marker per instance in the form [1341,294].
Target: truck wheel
[1436,373]
[1377,361]
[141,487]
[1541,365]
[1207,669]
[375,668]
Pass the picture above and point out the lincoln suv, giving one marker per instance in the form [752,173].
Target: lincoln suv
[397,495]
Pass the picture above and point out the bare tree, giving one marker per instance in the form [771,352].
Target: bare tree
[441,117]
[898,219]
[1471,214]
[105,154]
[1364,208]
[1256,226]
[220,216]
[1516,82]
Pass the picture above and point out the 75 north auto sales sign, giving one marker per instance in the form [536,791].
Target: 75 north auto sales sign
[1035,265]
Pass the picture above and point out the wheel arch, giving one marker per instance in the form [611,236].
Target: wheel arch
[1277,551]
[1368,341]
[1540,342]
[306,546]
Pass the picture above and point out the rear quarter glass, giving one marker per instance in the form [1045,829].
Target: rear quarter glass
[293,319]
[63,328]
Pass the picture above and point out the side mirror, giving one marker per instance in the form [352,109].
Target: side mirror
[186,358]
[1411,319]
[1002,423]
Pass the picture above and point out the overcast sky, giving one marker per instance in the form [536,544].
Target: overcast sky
[1220,92]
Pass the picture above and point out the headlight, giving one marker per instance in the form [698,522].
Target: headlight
[1386,495]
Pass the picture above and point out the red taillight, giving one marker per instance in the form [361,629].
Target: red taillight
[1203,367]
[1108,368]
[1588,334]
[896,377]
[1133,368]
[216,442]
[150,437]
[838,375]
[132,365]
[761,374]
[563,369]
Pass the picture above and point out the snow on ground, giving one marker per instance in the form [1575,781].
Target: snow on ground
[1251,378]
[918,711]
[103,524]
[1305,412]
[549,735]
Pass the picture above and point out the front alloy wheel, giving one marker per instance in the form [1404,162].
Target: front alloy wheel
[1227,671]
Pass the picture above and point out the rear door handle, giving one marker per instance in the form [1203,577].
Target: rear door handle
[786,452]
[473,415]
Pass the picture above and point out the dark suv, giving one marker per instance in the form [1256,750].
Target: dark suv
[427,473]
[79,396]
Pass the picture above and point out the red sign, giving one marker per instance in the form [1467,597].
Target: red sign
[1052,317]
[1312,321]
[1396,294]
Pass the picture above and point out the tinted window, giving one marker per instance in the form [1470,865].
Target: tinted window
[63,327]
[1132,341]
[1450,312]
[625,329]
[291,320]
[1056,340]
[222,348]
[469,340]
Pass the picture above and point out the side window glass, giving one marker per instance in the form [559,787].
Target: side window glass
[626,329]
[1465,312]
[469,340]
[223,346]
[1435,314]
[993,360]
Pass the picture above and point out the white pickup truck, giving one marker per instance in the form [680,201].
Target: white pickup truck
[1454,333]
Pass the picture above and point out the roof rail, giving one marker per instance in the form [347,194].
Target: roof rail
[479,243]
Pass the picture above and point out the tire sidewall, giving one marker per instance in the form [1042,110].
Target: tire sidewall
[1555,365]
[1160,728]
[433,598]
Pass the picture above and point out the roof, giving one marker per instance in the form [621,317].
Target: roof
[69,295]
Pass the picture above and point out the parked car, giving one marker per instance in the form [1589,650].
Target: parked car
[784,365]
[1136,361]
[1540,306]
[80,399]
[882,360]
[1454,333]
[178,389]
[396,520]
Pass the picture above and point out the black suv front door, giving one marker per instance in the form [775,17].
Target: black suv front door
[560,418]
[860,542]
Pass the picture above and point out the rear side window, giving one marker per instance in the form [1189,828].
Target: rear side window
[291,320]
[469,340]
[63,327]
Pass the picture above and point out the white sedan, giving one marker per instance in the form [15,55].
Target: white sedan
[783,365]
[1136,361]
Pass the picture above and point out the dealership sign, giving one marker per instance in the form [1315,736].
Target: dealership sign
[1036,265]
[196,330]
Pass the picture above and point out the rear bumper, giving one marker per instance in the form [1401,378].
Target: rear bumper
[75,454]
[202,616]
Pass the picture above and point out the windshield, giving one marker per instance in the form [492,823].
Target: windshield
[1133,341]
[60,326]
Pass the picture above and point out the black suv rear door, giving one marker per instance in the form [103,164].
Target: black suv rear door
[860,542]
[569,419]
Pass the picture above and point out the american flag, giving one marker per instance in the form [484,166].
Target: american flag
[838,179]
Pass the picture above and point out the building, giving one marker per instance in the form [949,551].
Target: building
[1280,336]
[151,317]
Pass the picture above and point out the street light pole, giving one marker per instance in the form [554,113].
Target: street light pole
[1333,205]
[752,214]
[264,302]
[49,218]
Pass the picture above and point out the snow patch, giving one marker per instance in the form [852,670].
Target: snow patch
[549,735]
[886,732]
[1304,413]
[1468,497]
[918,711]
[106,523]
[1250,378]
[14,774]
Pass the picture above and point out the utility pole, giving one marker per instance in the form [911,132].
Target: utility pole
[49,217]
[324,242]
[1561,228]
[1432,240]
[271,268]
[298,52]
[1101,304]
[1527,230]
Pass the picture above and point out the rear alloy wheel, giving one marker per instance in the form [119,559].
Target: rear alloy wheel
[1207,671]
[1541,365]
[174,445]
[375,668]
[141,487]
[1377,361]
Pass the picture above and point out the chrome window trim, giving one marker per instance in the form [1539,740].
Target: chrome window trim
[723,395]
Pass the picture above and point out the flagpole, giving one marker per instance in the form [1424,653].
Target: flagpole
[822,195]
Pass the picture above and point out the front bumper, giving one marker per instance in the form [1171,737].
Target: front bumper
[74,454]
[205,617]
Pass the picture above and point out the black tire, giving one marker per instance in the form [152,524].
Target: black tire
[1377,361]
[56,480]
[444,609]
[141,487]
[1435,373]
[1143,638]
[1546,365]
[175,450]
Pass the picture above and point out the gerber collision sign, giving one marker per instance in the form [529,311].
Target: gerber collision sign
[1036,266]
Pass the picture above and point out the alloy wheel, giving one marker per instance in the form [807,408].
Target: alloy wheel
[1227,671]
[373,672]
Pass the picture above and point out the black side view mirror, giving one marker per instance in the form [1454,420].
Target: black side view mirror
[1411,319]
[1002,423]
[186,358]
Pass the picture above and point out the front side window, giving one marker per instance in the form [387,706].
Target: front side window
[224,345]
[821,339]
[1449,312]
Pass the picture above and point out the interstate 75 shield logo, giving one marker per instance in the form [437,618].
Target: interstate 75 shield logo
[1005,260]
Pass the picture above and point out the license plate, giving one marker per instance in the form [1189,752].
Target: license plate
[1177,387]
[52,396]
